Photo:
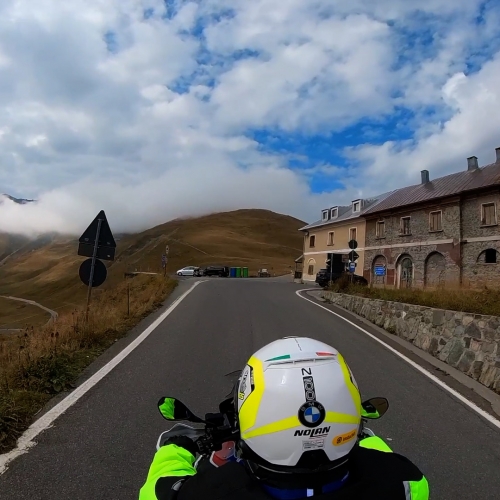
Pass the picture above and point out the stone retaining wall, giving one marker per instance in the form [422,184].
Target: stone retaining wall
[468,342]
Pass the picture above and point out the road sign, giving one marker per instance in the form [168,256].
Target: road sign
[352,267]
[167,249]
[353,255]
[106,244]
[100,272]
[353,244]
[380,270]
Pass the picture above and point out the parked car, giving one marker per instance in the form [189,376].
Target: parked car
[264,273]
[187,271]
[221,271]
[323,277]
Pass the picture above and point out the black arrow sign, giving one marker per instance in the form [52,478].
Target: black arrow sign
[106,244]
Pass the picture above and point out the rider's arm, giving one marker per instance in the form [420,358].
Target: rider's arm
[171,465]
[415,483]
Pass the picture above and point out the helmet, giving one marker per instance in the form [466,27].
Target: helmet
[299,408]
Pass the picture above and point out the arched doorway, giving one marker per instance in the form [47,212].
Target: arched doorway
[435,270]
[488,256]
[379,270]
[405,271]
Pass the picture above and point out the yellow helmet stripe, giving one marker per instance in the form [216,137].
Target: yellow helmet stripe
[280,425]
[250,407]
[356,396]
[292,422]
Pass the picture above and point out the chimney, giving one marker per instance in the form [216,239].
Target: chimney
[498,154]
[472,163]
[425,176]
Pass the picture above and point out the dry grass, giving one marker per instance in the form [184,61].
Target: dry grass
[44,361]
[482,301]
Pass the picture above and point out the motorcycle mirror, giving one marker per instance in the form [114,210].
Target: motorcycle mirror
[173,409]
[374,408]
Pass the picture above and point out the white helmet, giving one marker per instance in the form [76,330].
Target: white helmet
[299,407]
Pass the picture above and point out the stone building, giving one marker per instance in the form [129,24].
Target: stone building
[331,235]
[441,232]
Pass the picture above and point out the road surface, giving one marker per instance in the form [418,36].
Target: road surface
[102,446]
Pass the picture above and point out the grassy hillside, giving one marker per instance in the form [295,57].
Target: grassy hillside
[47,270]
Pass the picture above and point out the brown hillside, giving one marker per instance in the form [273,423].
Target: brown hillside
[48,272]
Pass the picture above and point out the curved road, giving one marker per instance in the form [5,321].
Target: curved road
[102,446]
[53,314]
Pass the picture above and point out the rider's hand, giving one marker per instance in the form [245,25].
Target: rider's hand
[183,442]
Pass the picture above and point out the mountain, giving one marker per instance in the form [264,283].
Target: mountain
[21,201]
[46,269]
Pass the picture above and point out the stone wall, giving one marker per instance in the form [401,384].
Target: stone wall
[468,342]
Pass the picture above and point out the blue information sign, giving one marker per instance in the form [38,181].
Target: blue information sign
[379,270]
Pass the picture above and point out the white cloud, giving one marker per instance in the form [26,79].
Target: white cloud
[160,125]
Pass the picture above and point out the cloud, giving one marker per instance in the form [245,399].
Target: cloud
[152,110]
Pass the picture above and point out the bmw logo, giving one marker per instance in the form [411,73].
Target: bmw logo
[311,414]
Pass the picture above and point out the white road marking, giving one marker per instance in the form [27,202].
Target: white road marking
[437,381]
[26,441]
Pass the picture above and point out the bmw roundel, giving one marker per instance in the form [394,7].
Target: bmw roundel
[311,414]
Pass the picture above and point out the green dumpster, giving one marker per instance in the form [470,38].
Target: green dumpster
[245,272]
[238,272]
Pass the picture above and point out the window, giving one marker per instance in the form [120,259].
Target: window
[488,214]
[405,226]
[490,256]
[380,229]
[312,240]
[310,269]
[334,212]
[356,206]
[330,238]
[325,214]
[435,219]
[352,233]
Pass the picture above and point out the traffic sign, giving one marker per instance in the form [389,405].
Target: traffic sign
[353,255]
[380,270]
[106,244]
[167,249]
[353,244]
[352,267]
[100,272]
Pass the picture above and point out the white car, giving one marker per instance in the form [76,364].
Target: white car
[187,271]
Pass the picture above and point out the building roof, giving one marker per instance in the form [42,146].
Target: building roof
[346,212]
[442,187]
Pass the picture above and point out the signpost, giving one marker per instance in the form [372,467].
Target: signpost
[164,260]
[353,257]
[329,264]
[96,242]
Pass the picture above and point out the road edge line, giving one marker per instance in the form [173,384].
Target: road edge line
[490,418]
[26,440]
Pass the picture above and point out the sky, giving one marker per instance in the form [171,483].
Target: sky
[153,110]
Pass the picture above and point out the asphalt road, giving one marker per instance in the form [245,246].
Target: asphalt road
[102,446]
